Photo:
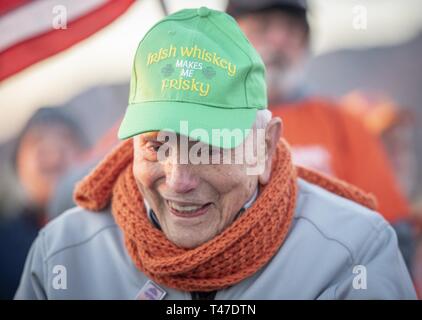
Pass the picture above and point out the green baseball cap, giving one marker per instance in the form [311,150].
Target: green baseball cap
[197,67]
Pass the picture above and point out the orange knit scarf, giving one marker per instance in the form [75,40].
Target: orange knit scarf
[235,254]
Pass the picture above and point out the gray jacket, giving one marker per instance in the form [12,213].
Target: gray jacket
[336,249]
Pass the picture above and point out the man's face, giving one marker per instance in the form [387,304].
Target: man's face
[44,154]
[281,41]
[193,202]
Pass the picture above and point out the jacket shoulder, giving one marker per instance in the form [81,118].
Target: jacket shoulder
[339,219]
[75,227]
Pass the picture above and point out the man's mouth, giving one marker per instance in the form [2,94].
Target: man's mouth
[187,210]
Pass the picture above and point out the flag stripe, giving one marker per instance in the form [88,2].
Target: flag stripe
[9,6]
[37,17]
[30,51]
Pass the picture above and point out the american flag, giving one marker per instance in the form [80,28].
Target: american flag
[28,34]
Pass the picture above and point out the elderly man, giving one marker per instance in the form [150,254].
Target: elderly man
[203,202]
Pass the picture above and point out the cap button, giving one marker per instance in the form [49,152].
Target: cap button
[203,11]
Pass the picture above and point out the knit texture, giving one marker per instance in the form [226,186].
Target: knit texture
[236,253]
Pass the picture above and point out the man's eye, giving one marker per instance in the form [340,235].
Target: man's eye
[154,147]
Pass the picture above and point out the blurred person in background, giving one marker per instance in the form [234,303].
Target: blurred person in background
[62,198]
[395,126]
[110,102]
[323,136]
[48,145]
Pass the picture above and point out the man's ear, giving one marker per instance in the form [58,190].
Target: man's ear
[273,133]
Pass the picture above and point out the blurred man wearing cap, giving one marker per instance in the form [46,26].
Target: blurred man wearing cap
[50,143]
[323,136]
[202,201]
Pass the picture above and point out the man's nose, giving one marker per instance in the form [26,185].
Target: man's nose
[180,178]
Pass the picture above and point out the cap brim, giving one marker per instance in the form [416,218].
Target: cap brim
[201,121]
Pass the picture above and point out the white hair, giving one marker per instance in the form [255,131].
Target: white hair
[262,118]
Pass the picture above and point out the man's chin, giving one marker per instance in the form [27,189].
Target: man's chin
[189,240]
[189,232]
